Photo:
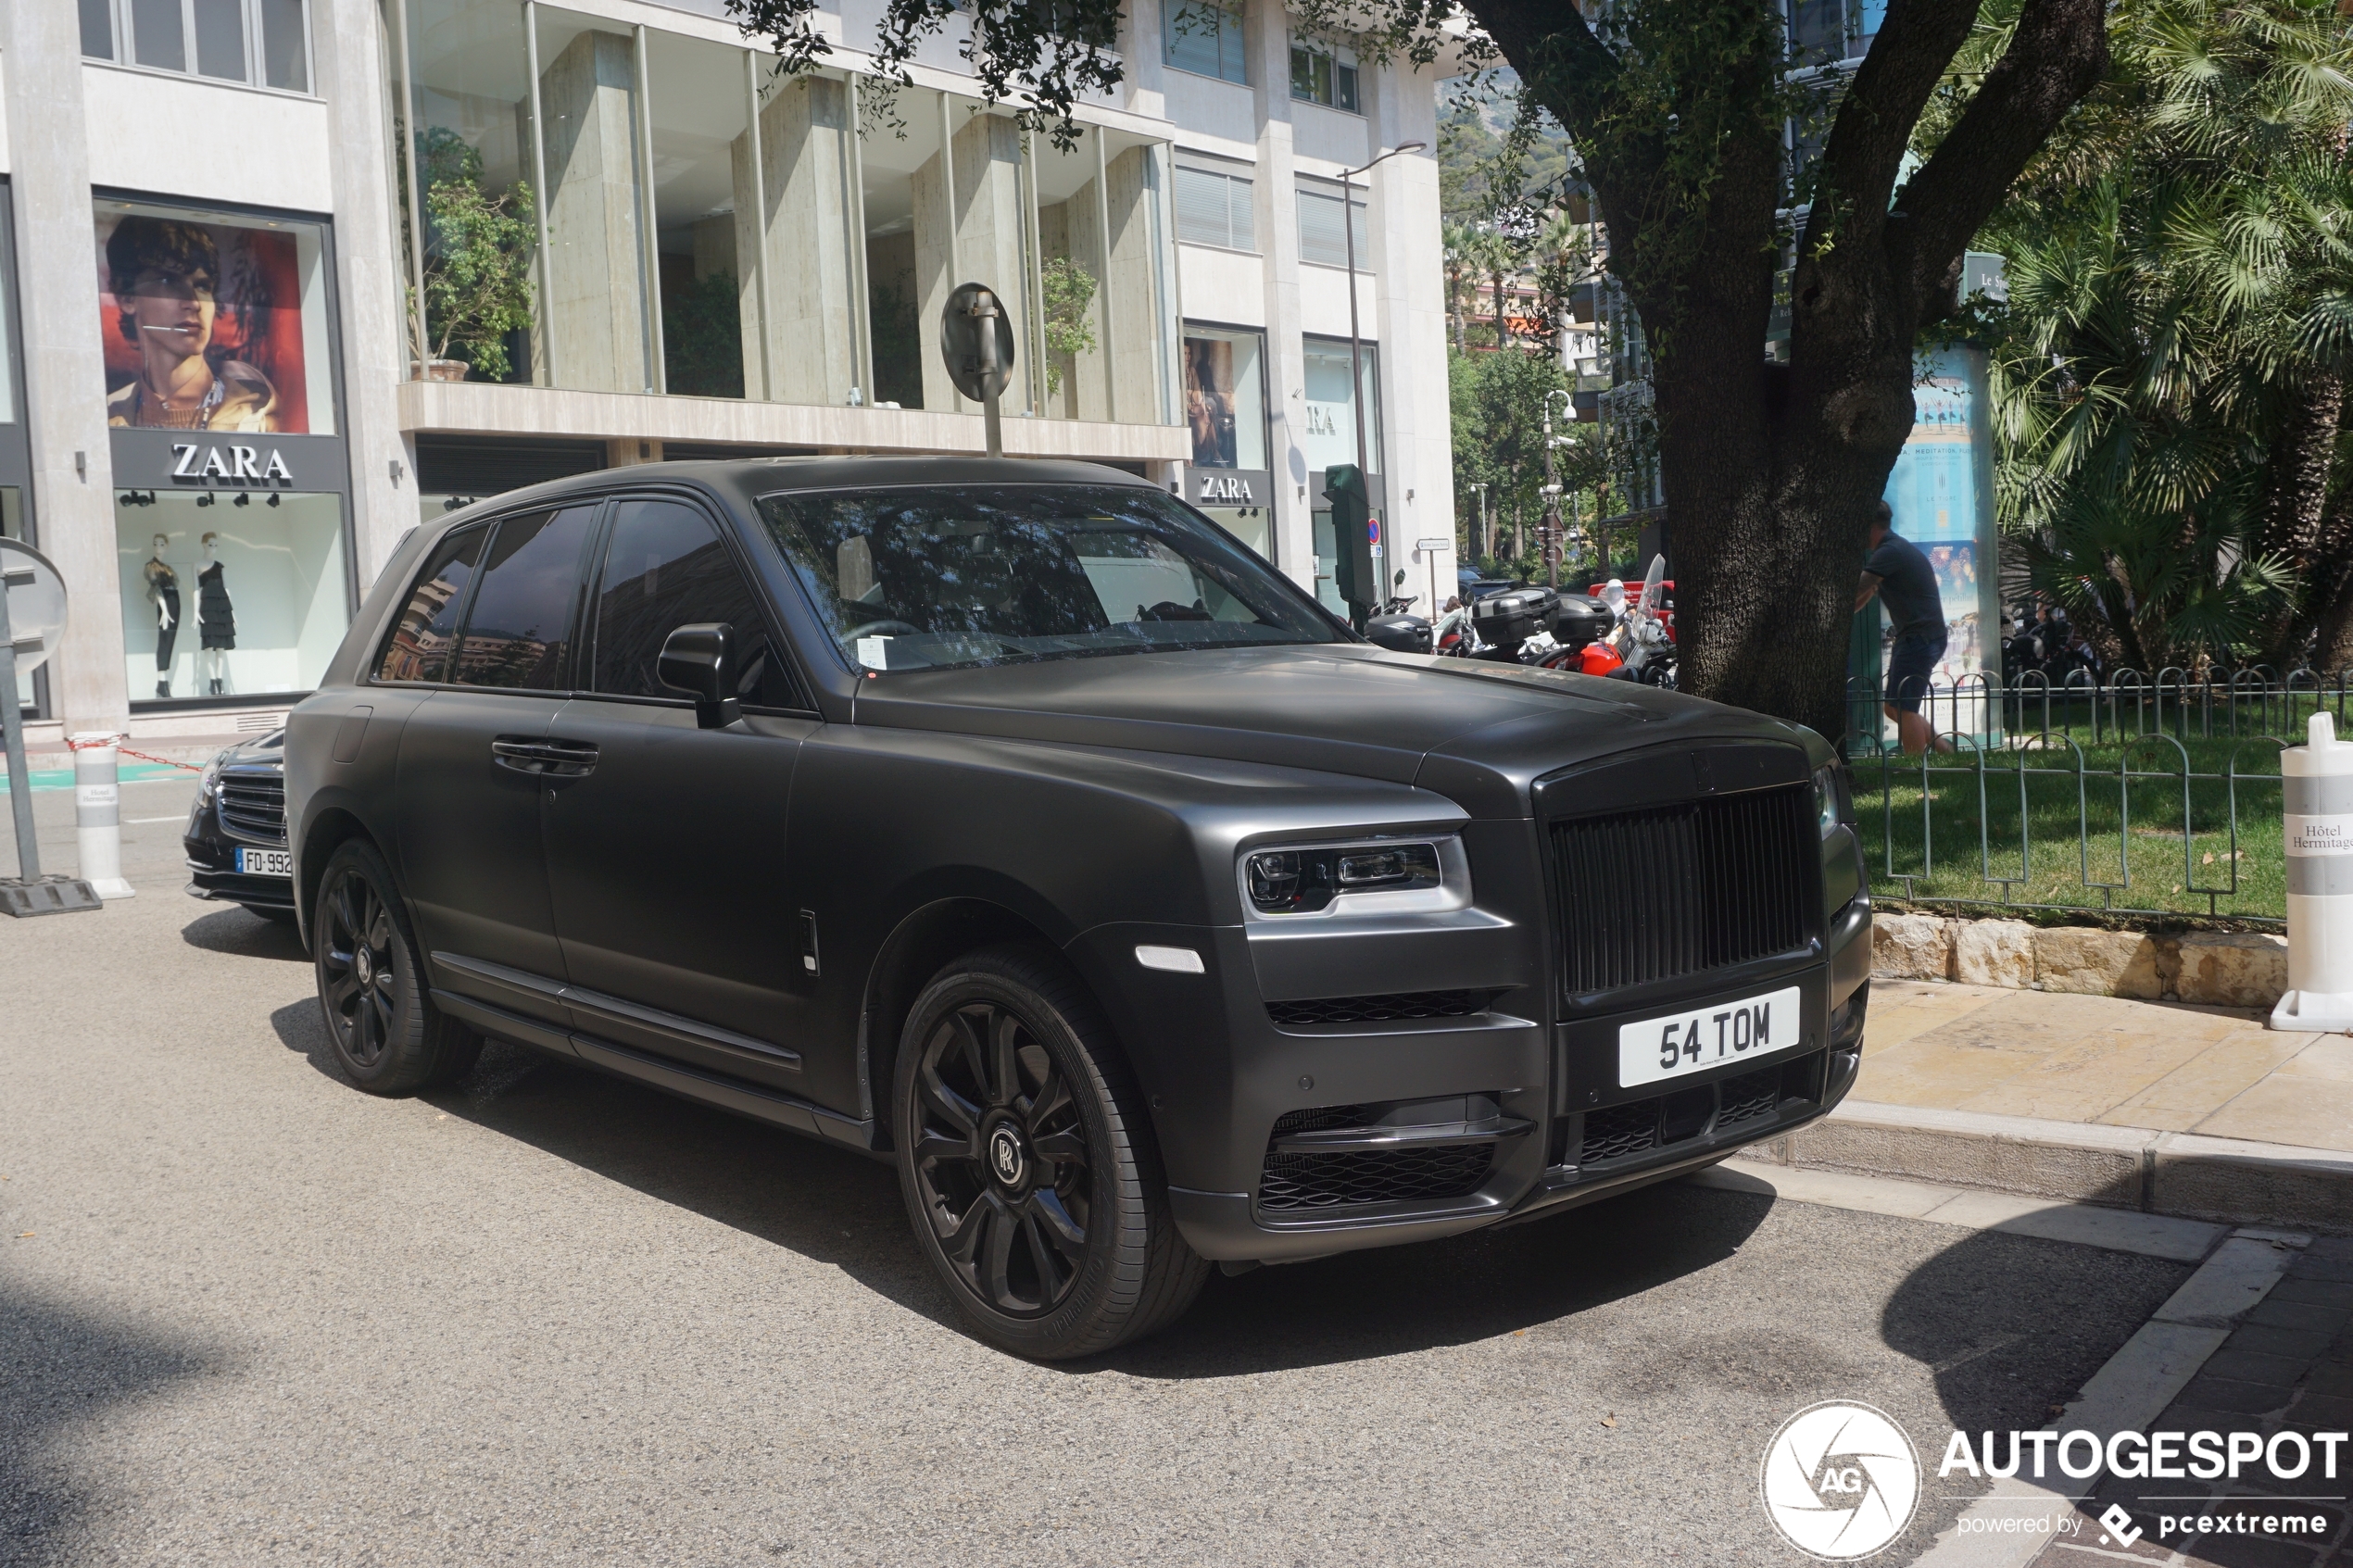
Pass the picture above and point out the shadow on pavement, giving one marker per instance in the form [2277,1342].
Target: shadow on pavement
[832,1206]
[245,934]
[61,1373]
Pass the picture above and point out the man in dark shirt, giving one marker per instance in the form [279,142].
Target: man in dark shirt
[1906,583]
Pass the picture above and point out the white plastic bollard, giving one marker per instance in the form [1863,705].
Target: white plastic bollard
[97,812]
[2316,788]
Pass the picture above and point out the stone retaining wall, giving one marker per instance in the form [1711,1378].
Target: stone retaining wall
[2224,969]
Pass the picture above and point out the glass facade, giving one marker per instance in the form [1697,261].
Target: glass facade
[1328,439]
[700,226]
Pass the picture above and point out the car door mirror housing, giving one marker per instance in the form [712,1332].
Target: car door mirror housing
[700,661]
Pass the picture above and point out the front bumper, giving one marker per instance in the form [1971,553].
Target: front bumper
[212,874]
[1570,1135]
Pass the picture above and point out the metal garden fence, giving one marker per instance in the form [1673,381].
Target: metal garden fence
[2126,796]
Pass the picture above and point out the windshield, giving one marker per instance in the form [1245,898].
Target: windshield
[922,579]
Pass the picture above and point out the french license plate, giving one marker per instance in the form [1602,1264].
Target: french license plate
[1714,1035]
[265,862]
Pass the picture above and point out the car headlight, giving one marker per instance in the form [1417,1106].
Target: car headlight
[1830,800]
[1301,881]
[209,781]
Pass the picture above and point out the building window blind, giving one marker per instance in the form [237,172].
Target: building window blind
[1321,240]
[1205,38]
[1212,208]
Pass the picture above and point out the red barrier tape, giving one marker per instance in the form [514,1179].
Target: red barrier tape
[99,745]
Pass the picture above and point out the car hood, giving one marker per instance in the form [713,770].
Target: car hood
[268,751]
[1479,733]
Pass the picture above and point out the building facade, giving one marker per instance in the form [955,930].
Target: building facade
[635,241]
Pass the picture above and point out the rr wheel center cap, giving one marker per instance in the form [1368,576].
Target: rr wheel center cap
[363,965]
[1008,1156]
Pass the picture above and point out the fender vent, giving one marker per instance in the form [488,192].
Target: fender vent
[1379,1009]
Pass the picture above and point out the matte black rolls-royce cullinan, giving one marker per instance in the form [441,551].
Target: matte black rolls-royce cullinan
[1010,822]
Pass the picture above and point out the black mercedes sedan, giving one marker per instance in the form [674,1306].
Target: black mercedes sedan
[236,840]
[1010,822]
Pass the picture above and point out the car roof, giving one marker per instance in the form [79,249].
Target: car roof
[747,479]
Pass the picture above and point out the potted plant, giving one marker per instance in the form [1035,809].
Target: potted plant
[478,254]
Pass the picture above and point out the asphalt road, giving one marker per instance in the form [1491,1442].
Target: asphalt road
[549,1318]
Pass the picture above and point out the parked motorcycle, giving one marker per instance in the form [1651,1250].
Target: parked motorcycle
[1640,647]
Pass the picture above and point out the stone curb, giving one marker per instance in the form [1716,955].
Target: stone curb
[2225,1179]
[2214,969]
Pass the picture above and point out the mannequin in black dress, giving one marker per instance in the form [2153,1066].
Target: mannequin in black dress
[163,591]
[216,620]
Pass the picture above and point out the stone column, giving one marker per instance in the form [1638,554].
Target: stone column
[1125,298]
[988,223]
[596,303]
[65,366]
[1409,316]
[802,218]
[371,284]
[1275,208]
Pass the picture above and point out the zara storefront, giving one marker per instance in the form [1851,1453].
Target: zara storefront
[221,412]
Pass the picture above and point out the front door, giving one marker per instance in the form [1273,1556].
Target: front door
[677,914]
[472,770]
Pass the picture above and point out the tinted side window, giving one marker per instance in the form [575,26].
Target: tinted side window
[419,644]
[519,632]
[664,568]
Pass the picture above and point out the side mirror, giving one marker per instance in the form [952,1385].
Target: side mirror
[700,661]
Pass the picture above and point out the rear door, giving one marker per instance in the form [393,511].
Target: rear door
[472,770]
[678,916]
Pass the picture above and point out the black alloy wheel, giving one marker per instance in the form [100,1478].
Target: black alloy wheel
[1028,1164]
[1000,1159]
[387,1035]
[358,978]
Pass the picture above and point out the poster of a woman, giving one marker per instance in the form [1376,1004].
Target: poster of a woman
[1209,401]
[203,326]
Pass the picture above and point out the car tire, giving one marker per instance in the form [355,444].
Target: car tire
[1028,1164]
[387,1035]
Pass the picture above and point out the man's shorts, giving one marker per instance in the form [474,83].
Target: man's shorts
[1911,663]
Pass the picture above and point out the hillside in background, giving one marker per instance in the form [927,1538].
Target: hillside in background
[1471,127]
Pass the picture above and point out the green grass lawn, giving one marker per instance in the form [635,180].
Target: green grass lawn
[2137,824]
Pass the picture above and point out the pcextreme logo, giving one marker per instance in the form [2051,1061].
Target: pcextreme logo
[1840,1480]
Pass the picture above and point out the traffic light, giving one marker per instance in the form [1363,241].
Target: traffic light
[1355,576]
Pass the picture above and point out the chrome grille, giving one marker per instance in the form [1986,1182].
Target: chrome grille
[1682,890]
[254,806]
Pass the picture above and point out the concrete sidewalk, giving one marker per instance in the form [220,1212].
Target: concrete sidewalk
[2155,1106]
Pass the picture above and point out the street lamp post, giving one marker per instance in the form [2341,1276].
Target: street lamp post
[1356,342]
[1486,548]
[1552,524]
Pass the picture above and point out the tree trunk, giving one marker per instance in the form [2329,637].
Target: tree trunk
[1771,473]
[2295,494]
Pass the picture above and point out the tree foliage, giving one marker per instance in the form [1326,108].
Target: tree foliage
[479,253]
[1677,109]
[2170,371]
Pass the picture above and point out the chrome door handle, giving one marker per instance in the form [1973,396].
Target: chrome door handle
[546,758]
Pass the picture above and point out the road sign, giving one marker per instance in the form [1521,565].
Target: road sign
[1434,544]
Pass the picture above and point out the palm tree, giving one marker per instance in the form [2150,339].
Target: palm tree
[1458,249]
[2170,378]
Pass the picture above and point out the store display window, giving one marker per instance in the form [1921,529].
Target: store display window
[213,322]
[1226,412]
[229,596]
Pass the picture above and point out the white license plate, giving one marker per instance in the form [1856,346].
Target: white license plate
[1714,1035]
[265,862]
